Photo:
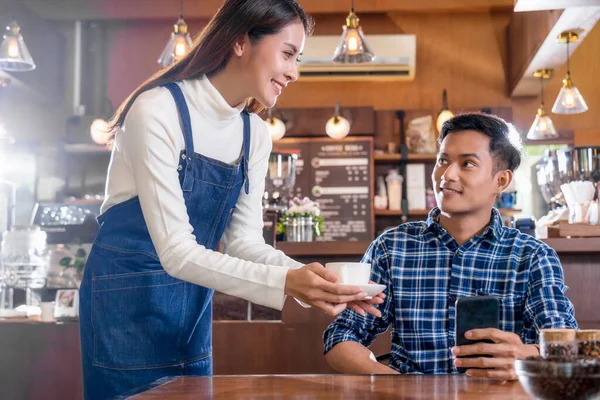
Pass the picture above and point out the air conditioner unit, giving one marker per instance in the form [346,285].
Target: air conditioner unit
[395,59]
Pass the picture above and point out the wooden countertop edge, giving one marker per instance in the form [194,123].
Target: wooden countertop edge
[574,245]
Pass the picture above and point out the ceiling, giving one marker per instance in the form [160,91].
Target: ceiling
[154,9]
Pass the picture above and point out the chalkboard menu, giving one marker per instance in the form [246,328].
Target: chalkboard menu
[338,174]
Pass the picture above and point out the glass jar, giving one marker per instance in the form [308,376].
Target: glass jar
[560,342]
[588,342]
[25,259]
[299,229]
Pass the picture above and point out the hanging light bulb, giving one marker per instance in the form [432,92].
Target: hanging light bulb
[100,132]
[179,44]
[353,47]
[275,126]
[337,127]
[569,100]
[445,114]
[14,55]
[542,127]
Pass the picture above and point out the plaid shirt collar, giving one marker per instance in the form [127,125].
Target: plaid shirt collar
[493,230]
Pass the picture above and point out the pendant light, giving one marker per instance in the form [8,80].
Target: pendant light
[14,55]
[100,131]
[275,126]
[179,44]
[542,127]
[445,114]
[337,127]
[569,100]
[352,47]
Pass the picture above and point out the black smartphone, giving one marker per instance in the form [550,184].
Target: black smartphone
[477,312]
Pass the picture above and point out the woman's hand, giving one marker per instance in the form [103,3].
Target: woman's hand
[366,306]
[314,285]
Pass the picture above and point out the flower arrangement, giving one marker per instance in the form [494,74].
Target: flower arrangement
[302,208]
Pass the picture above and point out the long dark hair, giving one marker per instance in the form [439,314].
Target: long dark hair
[214,46]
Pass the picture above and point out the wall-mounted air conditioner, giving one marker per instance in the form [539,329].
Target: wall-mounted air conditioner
[395,59]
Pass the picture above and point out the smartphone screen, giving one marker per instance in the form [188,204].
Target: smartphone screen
[477,312]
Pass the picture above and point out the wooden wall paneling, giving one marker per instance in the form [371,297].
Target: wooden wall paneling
[582,275]
[310,122]
[587,137]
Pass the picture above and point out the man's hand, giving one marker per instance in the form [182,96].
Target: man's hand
[506,348]
[366,306]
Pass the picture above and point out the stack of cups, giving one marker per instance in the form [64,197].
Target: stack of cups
[579,196]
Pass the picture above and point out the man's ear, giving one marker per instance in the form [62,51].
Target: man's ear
[503,179]
[241,45]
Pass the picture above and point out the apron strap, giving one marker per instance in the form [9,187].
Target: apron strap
[184,115]
[246,145]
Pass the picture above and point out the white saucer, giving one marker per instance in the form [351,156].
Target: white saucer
[371,289]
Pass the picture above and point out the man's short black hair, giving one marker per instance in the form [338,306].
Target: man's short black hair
[504,153]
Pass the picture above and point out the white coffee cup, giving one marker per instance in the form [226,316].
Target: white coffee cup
[351,273]
[47,308]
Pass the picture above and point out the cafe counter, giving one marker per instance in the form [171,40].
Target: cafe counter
[41,360]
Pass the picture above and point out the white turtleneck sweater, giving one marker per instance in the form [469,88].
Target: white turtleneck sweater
[144,163]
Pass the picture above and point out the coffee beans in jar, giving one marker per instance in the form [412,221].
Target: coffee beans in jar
[588,342]
[560,342]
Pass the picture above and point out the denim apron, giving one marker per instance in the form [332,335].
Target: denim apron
[138,323]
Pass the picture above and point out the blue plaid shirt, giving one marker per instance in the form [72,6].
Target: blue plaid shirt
[425,271]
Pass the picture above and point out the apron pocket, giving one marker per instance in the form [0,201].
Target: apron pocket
[137,319]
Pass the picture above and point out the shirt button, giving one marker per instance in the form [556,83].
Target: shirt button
[452,343]
[179,168]
[183,156]
[189,167]
[452,298]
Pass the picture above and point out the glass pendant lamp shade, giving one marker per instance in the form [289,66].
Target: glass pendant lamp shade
[337,127]
[178,46]
[445,114]
[569,100]
[275,126]
[542,127]
[353,47]
[14,55]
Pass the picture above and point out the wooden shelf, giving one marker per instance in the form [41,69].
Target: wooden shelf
[397,213]
[388,158]
[323,248]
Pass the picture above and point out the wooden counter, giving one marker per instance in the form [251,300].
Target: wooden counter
[48,354]
[346,387]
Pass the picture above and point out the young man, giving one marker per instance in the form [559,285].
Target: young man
[462,250]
